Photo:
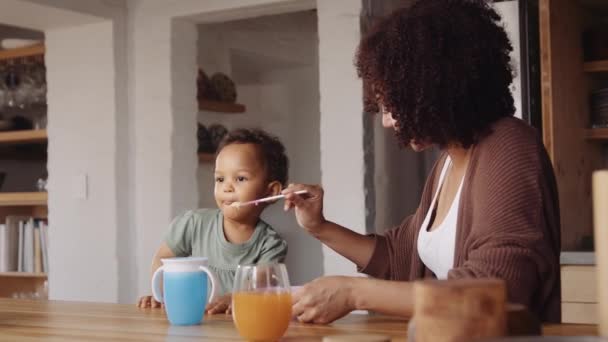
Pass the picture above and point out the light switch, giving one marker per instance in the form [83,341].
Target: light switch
[80,187]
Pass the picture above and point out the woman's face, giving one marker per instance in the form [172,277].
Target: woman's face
[388,121]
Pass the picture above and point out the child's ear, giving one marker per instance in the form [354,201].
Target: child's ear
[274,188]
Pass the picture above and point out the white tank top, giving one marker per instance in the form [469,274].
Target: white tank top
[436,248]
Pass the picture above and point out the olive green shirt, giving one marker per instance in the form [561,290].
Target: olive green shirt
[200,233]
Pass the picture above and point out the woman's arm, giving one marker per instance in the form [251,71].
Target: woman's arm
[329,298]
[384,296]
[309,213]
[355,247]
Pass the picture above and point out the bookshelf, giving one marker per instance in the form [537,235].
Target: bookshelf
[34,136]
[576,150]
[16,283]
[597,134]
[33,50]
[220,107]
[596,66]
[23,274]
[14,199]
[24,207]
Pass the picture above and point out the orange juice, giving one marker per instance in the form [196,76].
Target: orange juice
[261,316]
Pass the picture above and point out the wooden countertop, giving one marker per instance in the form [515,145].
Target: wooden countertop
[577,258]
[23,320]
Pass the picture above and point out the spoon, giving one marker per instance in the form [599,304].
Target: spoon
[265,199]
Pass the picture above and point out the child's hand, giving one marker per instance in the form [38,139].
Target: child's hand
[148,302]
[220,305]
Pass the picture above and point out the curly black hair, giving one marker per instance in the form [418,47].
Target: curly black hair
[441,67]
[273,151]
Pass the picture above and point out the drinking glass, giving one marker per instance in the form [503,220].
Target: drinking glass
[37,72]
[25,89]
[261,301]
[11,81]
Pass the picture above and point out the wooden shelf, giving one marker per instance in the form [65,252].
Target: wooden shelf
[596,6]
[15,199]
[597,134]
[206,157]
[596,66]
[33,50]
[220,107]
[23,275]
[23,137]
[14,283]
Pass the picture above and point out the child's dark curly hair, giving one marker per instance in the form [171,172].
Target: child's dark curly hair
[441,67]
[273,151]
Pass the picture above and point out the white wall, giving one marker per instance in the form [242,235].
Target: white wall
[86,114]
[153,125]
[342,166]
[509,11]
[273,60]
[82,141]
[164,107]
[138,151]
[52,14]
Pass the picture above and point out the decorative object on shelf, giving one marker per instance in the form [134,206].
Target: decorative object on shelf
[217,133]
[224,87]
[216,94]
[41,184]
[22,82]
[599,108]
[42,181]
[204,140]
[40,121]
[204,88]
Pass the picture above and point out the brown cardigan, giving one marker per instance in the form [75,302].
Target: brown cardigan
[508,222]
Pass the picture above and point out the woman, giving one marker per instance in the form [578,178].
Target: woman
[439,73]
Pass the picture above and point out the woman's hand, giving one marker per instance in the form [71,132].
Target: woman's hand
[324,300]
[309,213]
[220,305]
[308,207]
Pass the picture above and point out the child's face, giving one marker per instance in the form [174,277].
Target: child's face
[240,176]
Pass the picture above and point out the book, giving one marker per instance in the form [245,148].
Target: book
[44,246]
[21,263]
[37,251]
[12,224]
[28,247]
